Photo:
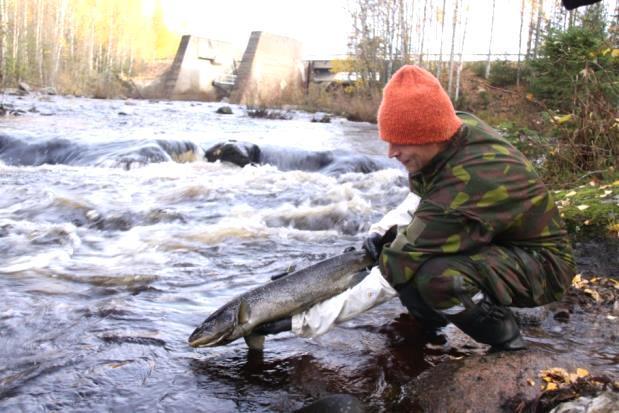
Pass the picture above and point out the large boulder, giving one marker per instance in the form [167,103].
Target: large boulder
[488,383]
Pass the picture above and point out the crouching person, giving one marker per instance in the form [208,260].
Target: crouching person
[486,233]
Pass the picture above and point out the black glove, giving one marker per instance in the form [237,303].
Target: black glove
[374,243]
[274,327]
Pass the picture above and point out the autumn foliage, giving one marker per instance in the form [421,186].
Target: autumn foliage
[73,44]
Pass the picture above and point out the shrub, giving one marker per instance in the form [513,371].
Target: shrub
[577,79]
[479,68]
[503,73]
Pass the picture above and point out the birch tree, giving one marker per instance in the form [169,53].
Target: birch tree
[518,67]
[440,53]
[3,35]
[451,52]
[487,73]
[538,26]
[423,31]
[460,63]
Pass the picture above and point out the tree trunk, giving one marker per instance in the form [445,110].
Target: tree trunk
[59,39]
[538,26]
[518,67]
[3,28]
[451,53]
[24,51]
[38,46]
[460,63]
[440,53]
[531,27]
[423,31]
[14,48]
[487,74]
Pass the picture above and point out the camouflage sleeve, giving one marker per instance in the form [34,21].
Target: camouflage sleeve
[433,231]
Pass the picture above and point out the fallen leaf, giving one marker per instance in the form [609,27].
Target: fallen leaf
[582,372]
[593,294]
[606,193]
[551,387]
[562,118]
[531,382]
[582,207]
[571,193]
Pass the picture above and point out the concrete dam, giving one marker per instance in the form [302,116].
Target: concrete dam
[270,67]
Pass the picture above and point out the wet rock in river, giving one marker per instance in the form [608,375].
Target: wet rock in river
[321,118]
[269,114]
[24,87]
[605,402]
[50,91]
[337,403]
[224,110]
[285,159]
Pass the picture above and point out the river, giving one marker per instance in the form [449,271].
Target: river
[113,249]
[108,262]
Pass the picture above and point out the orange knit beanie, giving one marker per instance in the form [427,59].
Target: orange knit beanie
[415,109]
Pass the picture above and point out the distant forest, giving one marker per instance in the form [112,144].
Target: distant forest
[70,44]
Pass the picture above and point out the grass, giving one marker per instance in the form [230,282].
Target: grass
[590,209]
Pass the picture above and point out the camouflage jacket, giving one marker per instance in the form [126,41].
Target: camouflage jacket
[479,191]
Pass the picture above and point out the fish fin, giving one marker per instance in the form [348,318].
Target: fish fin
[357,278]
[244,312]
[255,341]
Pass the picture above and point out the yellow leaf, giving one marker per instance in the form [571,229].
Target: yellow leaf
[615,53]
[616,183]
[551,387]
[571,193]
[593,294]
[530,96]
[582,207]
[531,382]
[560,120]
[577,280]
[582,372]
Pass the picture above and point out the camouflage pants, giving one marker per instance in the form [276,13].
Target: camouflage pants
[509,276]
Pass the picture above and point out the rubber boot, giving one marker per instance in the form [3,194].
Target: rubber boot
[274,327]
[489,323]
[423,313]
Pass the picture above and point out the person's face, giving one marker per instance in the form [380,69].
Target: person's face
[415,157]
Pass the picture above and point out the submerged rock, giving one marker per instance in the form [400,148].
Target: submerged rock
[224,110]
[50,91]
[337,403]
[321,118]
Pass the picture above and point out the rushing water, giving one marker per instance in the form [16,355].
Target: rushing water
[113,254]
[109,260]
